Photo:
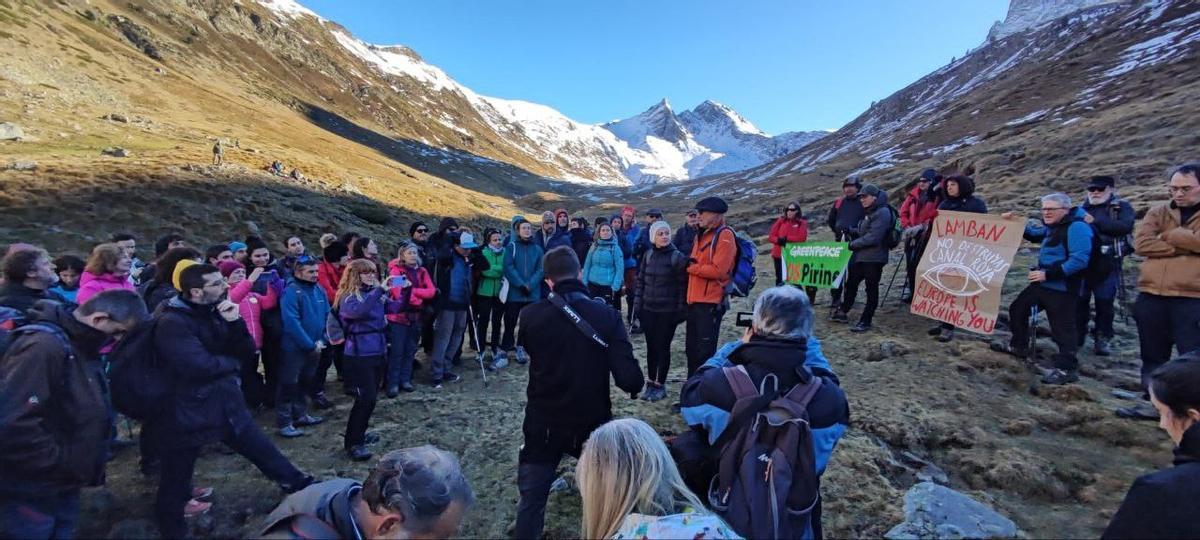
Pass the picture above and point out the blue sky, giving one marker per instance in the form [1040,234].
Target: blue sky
[783,64]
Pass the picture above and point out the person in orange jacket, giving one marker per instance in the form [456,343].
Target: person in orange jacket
[710,269]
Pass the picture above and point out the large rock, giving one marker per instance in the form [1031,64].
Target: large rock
[23,165]
[10,132]
[933,511]
[115,151]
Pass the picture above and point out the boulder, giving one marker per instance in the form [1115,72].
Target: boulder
[115,151]
[933,511]
[115,117]
[23,165]
[11,132]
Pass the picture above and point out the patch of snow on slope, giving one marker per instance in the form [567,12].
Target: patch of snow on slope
[289,8]
[1149,52]
[393,62]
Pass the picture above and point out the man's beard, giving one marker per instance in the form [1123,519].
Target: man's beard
[1097,199]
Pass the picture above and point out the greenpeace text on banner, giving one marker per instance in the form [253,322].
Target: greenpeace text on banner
[815,264]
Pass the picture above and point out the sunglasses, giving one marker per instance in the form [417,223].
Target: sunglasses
[422,230]
[1094,189]
[792,209]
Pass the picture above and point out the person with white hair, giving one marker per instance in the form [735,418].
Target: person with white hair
[1054,284]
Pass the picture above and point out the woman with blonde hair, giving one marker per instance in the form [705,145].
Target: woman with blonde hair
[362,306]
[107,269]
[631,488]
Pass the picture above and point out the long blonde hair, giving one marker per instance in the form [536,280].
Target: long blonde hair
[351,282]
[625,467]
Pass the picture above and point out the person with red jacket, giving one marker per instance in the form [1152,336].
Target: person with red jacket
[412,285]
[790,228]
[916,214]
[329,272]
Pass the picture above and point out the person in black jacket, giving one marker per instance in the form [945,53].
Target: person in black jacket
[581,237]
[660,301]
[54,414]
[686,235]
[1164,504]
[868,242]
[202,334]
[568,392]
[1113,218]
[455,267]
[28,275]
[844,216]
[958,195]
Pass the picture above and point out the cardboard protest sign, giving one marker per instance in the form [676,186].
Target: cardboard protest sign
[815,264]
[962,271]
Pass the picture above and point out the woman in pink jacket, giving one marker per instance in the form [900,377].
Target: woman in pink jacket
[250,305]
[410,283]
[107,269]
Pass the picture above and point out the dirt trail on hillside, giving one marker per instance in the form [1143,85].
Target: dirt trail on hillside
[1055,460]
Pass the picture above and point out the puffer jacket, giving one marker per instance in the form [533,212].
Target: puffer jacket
[918,208]
[629,244]
[91,284]
[523,268]
[787,231]
[966,201]
[1172,251]
[605,265]
[662,281]
[303,308]
[1066,249]
[414,296]
[251,305]
[868,240]
[490,280]
[715,253]
[364,323]
[581,242]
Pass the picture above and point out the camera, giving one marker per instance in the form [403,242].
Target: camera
[745,319]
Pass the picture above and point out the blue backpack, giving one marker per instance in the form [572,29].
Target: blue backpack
[743,277]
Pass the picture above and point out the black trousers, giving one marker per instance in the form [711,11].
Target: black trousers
[913,251]
[703,330]
[511,311]
[427,333]
[810,291]
[1163,322]
[543,449]
[253,388]
[362,374]
[330,356]
[1104,289]
[272,360]
[488,309]
[606,294]
[872,273]
[659,328]
[1059,307]
[178,464]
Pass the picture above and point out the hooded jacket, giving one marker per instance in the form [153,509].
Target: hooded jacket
[787,231]
[523,268]
[559,237]
[918,208]
[91,284]
[491,279]
[364,323]
[605,265]
[448,259]
[251,305]
[1066,249]
[661,281]
[1164,504]
[303,308]
[413,297]
[1172,252]
[631,236]
[870,234]
[966,201]
[54,413]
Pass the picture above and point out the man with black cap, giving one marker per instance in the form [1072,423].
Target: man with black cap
[711,268]
[870,254]
[844,216]
[575,344]
[1112,218]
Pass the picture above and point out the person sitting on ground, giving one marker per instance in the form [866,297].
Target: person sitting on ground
[870,255]
[779,345]
[69,269]
[250,306]
[411,493]
[107,269]
[1164,504]
[304,308]
[630,488]
[217,254]
[569,369]
[413,287]
[523,269]
[54,412]
[28,276]
[1053,285]
[604,267]
[660,300]
[161,287]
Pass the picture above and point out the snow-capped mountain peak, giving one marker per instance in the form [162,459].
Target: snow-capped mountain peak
[658,121]
[713,112]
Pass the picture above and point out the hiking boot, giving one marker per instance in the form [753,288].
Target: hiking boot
[1102,347]
[358,452]
[201,493]
[371,437]
[393,391]
[945,335]
[437,385]
[290,432]
[308,420]
[834,310]
[840,316]
[860,326]
[659,393]
[1141,411]
[408,387]
[322,402]
[647,391]
[522,356]
[1059,377]
[195,508]
[451,377]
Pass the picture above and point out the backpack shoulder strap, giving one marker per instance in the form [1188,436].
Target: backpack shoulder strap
[740,382]
[798,398]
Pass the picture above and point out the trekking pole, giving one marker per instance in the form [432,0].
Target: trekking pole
[890,283]
[478,354]
[1031,351]
[1122,292]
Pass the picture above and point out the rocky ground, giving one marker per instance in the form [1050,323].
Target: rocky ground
[1054,460]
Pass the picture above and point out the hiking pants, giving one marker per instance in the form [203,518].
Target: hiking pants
[178,464]
[362,377]
[872,273]
[604,293]
[290,400]
[1105,292]
[488,309]
[512,310]
[630,279]
[660,331]
[331,355]
[253,388]
[402,348]
[703,330]
[1163,321]
[1059,307]
[47,516]
[447,341]
[536,470]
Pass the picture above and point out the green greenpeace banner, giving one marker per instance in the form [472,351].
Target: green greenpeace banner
[815,264]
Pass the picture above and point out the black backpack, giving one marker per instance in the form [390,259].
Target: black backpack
[140,384]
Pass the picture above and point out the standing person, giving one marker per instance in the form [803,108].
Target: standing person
[438,242]
[569,369]
[28,276]
[523,269]
[790,228]
[630,231]
[250,306]
[294,249]
[711,268]
[562,219]
[161,287]
[642,244]
[362,309]
[454,268]
[631,488]
[660,300]
[870,255]
[413,287]
[205,339]
[259,256]
[489,310]
[844,215]
[1112,218]
[161,245]
[326,239]
[618,226]
[329,272]
[1164,504]
[217,254]
[69,269]
[240,254]
[218,152]
[329,276]
[1054,284]
[128,243]
[686,235]
[364,248]
[958,195]
[604,267]
[916,214]
[1167,309]
[304,308]
[581,238]
[550,235]
[54,412]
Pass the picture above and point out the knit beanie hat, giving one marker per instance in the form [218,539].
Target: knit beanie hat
[236,246]
[654,228]
[227,267]
[179,272]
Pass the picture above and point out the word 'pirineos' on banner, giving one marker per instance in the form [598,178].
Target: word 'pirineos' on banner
[962,271]
[815,264]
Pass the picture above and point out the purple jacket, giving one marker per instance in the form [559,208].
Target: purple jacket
[364,322]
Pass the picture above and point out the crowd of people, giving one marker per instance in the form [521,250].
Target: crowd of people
[193,344]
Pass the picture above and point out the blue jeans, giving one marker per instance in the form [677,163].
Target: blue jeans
[295,374]
[1105,291]
[51,516]
[402,347]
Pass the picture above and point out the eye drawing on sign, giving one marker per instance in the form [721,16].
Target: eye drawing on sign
[956,279]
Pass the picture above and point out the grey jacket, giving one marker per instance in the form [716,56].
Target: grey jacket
[868,243]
